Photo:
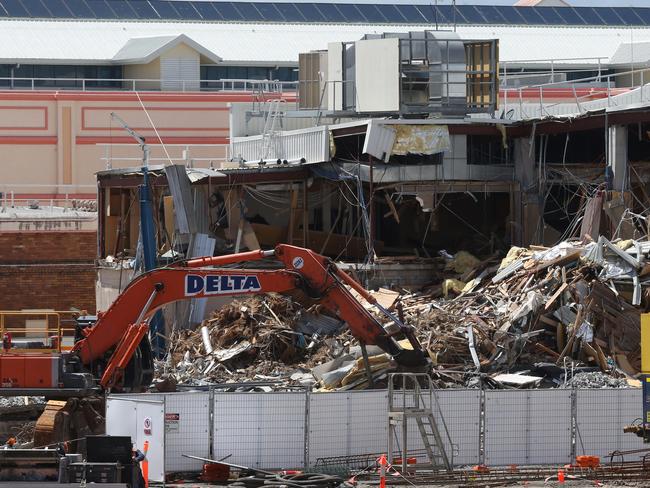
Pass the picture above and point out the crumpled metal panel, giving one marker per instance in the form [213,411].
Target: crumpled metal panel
[421,139]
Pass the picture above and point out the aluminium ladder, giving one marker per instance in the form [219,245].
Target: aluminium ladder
[411,396]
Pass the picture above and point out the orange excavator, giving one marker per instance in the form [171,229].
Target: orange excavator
[114,353]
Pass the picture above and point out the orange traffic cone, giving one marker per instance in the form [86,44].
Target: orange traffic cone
[560,476]
[382,471]
[145,465]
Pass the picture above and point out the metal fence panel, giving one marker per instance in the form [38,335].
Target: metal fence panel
[527,427]
[601,415]
[262,430]
[347,423]
[461,410]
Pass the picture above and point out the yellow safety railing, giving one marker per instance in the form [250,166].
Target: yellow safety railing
[52,335]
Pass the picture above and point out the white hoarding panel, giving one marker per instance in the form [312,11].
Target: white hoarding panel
[120,417]
[347,423]
[142,420]
[527,427]
[150,426]
[261,430]
[600,417]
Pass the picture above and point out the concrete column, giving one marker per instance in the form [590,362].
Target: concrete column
[617,156]
[528,222]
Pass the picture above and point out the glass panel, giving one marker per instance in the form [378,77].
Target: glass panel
[351,13]
[530,15]
[510,14]
[15,8]
[371,13]
[25,71]
[285,74]
[227,11]
[187,11]
[589,15]
[68,75]
[629,16]
[451,13]
[109,73]
[609,15]
[410,14]
[43,71]
[289,12]
[101,9]
[643,14]
[59,8]
[257,73]
[237,73]
[143,10]
[390,13]
[269,12]
[80,9]
[570,16]
[87,71]
[207,11]
[37,9]
[330,12]
[4,73]
[249,11]
[122,9]
[165,9]
[310,12]
[550,16]
[3,12]
[471,14]
[491,14]
[429,13]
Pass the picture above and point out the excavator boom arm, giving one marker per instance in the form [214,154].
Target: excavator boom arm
[303,269]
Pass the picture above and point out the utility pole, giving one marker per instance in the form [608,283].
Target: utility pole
[147,233]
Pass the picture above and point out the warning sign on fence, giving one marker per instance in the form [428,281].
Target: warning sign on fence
[172,421]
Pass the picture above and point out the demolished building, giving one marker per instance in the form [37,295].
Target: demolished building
[396,187]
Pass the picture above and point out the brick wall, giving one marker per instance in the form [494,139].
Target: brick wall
[47,270]
[47,247]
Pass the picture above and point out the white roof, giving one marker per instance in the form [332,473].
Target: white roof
[83,42]
[143,50]
[632,53]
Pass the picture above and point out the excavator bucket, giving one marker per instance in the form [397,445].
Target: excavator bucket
[69,421]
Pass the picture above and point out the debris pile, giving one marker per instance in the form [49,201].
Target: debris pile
[267,339]
[538,307]
[562,316]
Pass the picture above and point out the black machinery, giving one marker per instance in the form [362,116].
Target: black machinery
[107,459]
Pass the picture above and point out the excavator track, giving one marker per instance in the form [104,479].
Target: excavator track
[69,421]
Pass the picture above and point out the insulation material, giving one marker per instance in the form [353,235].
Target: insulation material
[421,139]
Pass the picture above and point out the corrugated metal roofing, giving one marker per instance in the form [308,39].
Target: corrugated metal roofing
[81,42]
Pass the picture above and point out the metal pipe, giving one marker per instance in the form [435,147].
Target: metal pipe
[146,307]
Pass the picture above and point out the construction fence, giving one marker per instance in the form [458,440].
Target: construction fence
[289,430]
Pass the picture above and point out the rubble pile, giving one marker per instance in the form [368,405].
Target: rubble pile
[263,338]
[562,316]
[538,309]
